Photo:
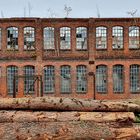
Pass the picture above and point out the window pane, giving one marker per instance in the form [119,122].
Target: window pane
[29,73]
[65,79]
[49,38]
[118,78]
[134,37]
[81,38]
[81,77]
[101,78]
[12,71]
[12,38]
[117,37]
[135,78]
[49,79]
[65,38]
[29,38]
[101,37]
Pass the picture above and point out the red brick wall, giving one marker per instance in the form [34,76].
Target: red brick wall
[90,57]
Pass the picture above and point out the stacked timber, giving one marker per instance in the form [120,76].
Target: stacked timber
[53,118]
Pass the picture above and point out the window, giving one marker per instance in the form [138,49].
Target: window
[101,37]
[49,38]
[134,37]
[49,79]
[118,78]
[12,38]
[81,77]
[65,79]
[29,73]
[65,38]
[101,78]
[29,38]
[135,78]
[81,38]
[0,38]
[12,71]
[117,37]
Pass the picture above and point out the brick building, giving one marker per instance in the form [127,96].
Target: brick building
[87,58]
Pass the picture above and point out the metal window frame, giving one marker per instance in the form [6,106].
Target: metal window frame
[49,38]
[118,78]
[65,79]
[12,38]
[12,72]
[29,38]
[81,32]
[117,37]
[65,38]
[81,79]
[101,37]
[49,79]
[101,78]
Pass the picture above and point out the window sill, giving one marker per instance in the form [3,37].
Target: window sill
[48,92]
[81,92]
[104,93]
[49,49]
[81,49]
[65,92]
[118,49]
[12,50]
[101,49]
[29,50]
[134,48]
[118,92]
[65,49]
[135,92]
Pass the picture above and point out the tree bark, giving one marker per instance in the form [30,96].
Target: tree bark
[67,104]
[43,116]
[82,130]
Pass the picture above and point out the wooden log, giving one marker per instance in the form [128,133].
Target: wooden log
[82,130]
[43,116]
[67,104]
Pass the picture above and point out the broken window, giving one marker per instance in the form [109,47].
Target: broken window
[118,78]
[29,80]
[117,37]
[101,78]
[65,38]
[134,37]
[12,72]
[49,77]
[49,38]
[29,38]
[135,78]
[81,76]
[12,38]
[101,37]
[81,38]
[65,79]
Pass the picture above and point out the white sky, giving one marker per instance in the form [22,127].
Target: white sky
[80,8]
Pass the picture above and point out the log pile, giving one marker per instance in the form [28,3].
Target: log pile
[53,118]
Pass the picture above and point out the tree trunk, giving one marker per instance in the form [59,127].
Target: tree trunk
[67,104]
[82,130]
[43,116]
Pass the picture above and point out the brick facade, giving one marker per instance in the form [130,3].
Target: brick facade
[91,57]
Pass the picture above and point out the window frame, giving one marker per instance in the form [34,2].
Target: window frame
[119,34]
[101,72]
[62,37]
[79,30]
[51,39]
[104,36]
[32,32]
